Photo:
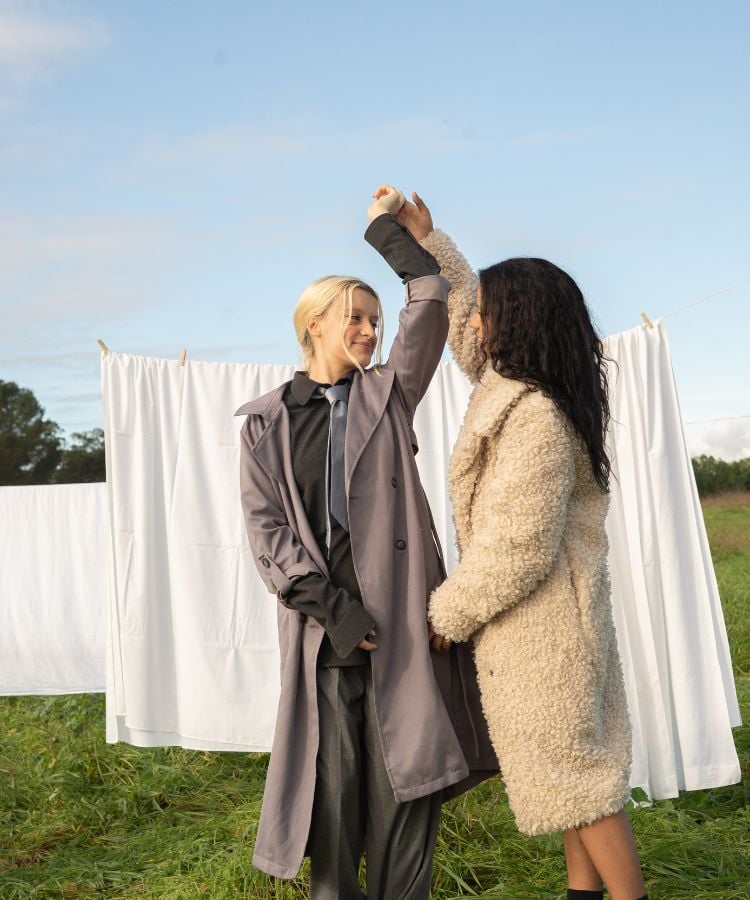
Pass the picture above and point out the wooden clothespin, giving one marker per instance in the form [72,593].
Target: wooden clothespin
[104,347]
[183,355]
[646,321]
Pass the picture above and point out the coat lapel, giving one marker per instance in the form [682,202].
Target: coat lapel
[367,402]
[273,447]
[489,406]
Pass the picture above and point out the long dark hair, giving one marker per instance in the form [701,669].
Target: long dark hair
[537,329]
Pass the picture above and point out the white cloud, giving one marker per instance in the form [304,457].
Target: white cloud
[728,440]
[32,45]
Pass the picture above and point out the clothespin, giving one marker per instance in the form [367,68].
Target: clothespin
[104,347]
[183,355]
[646,321]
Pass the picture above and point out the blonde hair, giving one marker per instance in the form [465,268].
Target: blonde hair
[315,301]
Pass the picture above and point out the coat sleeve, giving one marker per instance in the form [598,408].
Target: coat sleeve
[420,340]
[279,557]
[461,301]
[515,544]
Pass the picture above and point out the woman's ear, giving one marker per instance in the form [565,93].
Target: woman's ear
[313,326]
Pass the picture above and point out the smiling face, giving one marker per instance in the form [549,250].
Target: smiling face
[339,330]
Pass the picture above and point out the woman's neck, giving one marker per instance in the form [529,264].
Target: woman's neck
[325,372]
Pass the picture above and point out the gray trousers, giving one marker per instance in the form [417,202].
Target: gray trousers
[354,809]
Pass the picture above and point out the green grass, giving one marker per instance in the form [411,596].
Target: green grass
[82,818]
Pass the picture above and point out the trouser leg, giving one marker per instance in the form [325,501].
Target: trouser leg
[400,836]
[337,829]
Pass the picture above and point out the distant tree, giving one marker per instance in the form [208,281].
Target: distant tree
[30,445]
[716,476]
[83,461]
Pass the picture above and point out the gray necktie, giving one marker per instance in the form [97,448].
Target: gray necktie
[338,397]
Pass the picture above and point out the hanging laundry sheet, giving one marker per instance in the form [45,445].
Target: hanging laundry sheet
[53,588]
[670,626]
[190,640]
[194,656]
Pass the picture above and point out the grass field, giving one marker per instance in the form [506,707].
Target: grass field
[81,818]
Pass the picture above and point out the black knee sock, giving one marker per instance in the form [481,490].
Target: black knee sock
[574,894]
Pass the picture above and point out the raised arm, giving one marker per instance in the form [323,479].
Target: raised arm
[516,539]
[423,321]
[464,284]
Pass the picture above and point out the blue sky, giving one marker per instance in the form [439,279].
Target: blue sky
[174,173]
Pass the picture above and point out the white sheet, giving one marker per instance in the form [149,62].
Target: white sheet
[53,588]
[188,663]
[669,621]
[192,656]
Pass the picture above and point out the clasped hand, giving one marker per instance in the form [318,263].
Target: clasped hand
[414,216]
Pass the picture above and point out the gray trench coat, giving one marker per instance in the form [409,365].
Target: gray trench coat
[430,720]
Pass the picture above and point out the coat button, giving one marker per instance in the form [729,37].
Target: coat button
[266,562]
[400,545]
[394,482]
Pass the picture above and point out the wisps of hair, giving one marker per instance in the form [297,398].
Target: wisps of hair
[537,329]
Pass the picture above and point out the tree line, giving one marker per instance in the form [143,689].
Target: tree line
[33,451]
[716,476]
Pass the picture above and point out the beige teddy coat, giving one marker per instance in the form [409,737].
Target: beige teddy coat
[531,590]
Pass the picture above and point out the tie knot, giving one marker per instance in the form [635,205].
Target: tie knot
[337,392]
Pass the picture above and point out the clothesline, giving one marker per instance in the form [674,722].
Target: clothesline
[723,419]
[10,338]
[708,297]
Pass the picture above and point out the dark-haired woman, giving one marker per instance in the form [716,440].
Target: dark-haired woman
[529,481]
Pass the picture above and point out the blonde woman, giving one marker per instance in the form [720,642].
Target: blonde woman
[373,729]
[529,477]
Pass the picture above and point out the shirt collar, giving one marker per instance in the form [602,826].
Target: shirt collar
[303,387]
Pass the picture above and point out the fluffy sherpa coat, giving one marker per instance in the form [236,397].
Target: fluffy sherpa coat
[531,590]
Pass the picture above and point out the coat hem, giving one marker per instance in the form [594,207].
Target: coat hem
[402,795]
[275,869]
[578,821]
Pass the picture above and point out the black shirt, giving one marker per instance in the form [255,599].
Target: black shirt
[336,604]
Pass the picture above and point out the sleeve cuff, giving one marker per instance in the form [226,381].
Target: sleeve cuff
[352,628]
[408,259]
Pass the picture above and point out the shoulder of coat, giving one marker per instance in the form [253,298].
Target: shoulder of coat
[265,405]
[491,401]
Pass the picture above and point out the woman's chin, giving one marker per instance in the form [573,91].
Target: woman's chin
[363,355]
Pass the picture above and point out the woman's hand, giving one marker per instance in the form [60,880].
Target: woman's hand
[416,217]
[387,200]
[364,644]
[439,643]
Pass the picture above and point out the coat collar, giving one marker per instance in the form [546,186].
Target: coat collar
[492,400]
[367,402]
[266,405]
[490,405]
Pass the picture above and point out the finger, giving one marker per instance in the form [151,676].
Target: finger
[418,201]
